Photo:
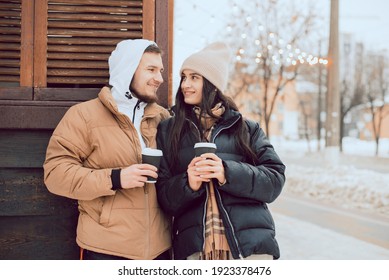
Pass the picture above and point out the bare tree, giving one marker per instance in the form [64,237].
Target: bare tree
[352,88]
[306,116]
[268,37]
[377,92]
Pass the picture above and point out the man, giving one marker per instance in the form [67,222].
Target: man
[94,156]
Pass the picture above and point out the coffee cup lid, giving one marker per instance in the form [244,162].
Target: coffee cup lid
[152,152]
[205,144]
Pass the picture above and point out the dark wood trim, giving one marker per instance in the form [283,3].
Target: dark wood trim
[65,94]
[40,44]
[162,39]
[148,19]
[170,17]
[21,148]
[32,114]
[16,93]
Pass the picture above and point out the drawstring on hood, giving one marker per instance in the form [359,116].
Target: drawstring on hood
[123,62]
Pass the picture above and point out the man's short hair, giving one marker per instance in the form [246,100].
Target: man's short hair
[153,49]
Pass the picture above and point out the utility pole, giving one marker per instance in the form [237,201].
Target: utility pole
[319,99]
[333,97]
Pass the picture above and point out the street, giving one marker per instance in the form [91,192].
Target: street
[311,230]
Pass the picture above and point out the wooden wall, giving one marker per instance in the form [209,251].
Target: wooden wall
[35,224]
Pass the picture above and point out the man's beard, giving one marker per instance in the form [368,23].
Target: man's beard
[145,98]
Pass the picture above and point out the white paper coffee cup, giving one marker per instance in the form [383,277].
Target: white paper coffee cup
[204,147]
[153,157]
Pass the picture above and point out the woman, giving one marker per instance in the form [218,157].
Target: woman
[218,201]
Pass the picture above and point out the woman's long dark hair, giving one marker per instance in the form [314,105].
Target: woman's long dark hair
[211,96]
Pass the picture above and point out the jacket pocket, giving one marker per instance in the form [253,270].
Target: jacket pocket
[106,210]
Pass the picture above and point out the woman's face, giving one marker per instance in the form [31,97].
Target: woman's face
[192,87]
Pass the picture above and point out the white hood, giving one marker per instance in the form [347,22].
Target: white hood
[123,62]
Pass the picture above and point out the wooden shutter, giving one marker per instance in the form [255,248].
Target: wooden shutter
[74,38]
[80,37]
[10,32]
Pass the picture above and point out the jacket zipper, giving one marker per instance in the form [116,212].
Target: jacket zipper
[147,237]
[146,192]
[224,128]
[231,226]
[133,113]
[195,126]
[220,199]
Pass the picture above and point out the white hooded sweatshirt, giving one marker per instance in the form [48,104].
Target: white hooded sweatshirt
[123,63]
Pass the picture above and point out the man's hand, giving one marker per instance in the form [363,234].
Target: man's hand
[136,175]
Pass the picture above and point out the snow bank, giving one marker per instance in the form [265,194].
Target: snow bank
[344,185]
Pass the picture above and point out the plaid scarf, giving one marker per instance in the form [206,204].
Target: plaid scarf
[207,121]
[216,245]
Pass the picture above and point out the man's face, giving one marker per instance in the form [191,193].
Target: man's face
[148,77]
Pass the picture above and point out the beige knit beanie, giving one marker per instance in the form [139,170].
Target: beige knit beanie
[212,63]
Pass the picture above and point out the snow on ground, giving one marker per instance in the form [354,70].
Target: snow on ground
[359,181]
[342,185]
[350,183]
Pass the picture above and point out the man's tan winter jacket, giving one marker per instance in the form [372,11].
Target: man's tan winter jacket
[92,139]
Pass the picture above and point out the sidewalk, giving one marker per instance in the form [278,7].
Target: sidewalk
[299,240]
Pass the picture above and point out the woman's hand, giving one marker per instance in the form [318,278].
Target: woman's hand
[203,169]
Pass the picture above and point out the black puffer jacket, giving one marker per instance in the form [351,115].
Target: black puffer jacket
[242,200]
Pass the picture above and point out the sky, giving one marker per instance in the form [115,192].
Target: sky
[199,22]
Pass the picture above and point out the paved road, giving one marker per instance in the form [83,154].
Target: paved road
[370,228]
[310,230]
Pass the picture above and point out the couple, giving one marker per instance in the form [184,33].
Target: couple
[218,202]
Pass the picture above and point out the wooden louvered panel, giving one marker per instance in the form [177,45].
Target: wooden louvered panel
[6,78]
[9,71]
[97,25]
[115,17]
[82,34]
[77,73]
[78,56]
[9,47]
[118,3]
[9,13]
[10,63]
[10,38]
[10,30]
[80,49]
[74,41]
[96,34]
[94,9]
[77,65]
[77,80]
[6,55]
